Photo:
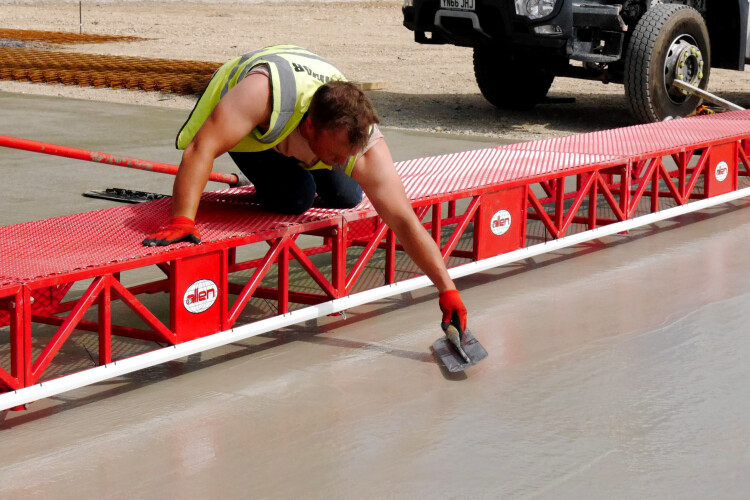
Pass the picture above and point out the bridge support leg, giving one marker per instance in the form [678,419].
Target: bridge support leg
[195,305]
[500,223]
[721,174]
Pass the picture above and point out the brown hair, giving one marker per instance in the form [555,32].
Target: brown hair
[341,105]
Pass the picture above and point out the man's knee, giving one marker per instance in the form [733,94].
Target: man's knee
[337,190]
[344,198]
[289,201]
[299,205]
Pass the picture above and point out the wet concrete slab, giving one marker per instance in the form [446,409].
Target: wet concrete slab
[617,368]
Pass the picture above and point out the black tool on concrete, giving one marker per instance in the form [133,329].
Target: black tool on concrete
[124,195]
[458,350]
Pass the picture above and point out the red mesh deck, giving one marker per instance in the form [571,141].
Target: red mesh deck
[62,245]
[453,173]
[40,249]
[645,140]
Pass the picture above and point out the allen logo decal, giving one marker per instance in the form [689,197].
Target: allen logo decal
[200,296]
[722,170]
[500,222]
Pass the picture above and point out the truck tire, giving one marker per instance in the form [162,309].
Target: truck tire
[508,83]
[670,41]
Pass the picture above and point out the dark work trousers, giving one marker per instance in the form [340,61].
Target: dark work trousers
[283,186]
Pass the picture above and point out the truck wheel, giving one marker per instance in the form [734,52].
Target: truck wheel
[508,83]
[669,42]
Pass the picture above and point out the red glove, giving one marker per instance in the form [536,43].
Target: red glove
[179,229]
[453,309]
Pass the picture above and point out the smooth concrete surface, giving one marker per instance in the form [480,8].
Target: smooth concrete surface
[617,369]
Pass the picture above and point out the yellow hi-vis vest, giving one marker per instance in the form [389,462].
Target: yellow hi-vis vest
[295,74]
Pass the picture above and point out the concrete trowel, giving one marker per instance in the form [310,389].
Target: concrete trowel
[458,350]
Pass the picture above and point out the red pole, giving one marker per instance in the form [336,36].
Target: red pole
[97,157]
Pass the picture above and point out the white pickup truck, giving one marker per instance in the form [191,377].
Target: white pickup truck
[520,46]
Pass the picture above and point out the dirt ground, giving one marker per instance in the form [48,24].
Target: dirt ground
[429,88]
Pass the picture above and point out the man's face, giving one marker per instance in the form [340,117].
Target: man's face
[331,146]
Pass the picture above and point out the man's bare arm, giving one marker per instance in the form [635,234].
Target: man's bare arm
[241,110]
[377,175]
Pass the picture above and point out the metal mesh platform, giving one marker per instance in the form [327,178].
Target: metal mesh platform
[39,249]
[644,140]
[425,178]
[61,245]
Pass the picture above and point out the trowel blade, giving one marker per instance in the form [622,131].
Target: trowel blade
[447,353]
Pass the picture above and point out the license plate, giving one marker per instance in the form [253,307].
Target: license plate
[457,4]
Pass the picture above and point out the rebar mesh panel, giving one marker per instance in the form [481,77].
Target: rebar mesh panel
[62,37]
[95,70]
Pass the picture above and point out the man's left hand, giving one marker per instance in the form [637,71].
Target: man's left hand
[179,229]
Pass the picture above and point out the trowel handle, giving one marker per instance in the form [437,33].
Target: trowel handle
[455,336]
[456,322]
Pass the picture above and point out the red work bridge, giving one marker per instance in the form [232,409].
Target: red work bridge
[130,306]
